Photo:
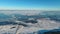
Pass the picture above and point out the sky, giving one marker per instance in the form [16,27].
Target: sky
[30,4]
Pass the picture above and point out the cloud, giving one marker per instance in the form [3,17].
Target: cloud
[23,12]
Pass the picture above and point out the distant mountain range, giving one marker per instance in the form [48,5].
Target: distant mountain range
[52,15]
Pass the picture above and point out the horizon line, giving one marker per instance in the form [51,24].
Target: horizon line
[26,10]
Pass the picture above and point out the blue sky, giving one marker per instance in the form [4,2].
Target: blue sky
[30,4]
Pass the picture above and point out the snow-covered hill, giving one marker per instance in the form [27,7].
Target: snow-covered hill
[45,21]
[43,24]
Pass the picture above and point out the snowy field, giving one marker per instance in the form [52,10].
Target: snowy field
[43,24]
[45,21]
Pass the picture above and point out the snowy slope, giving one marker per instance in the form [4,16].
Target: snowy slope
[43,24]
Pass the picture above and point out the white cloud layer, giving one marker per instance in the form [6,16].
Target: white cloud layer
[23,12]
